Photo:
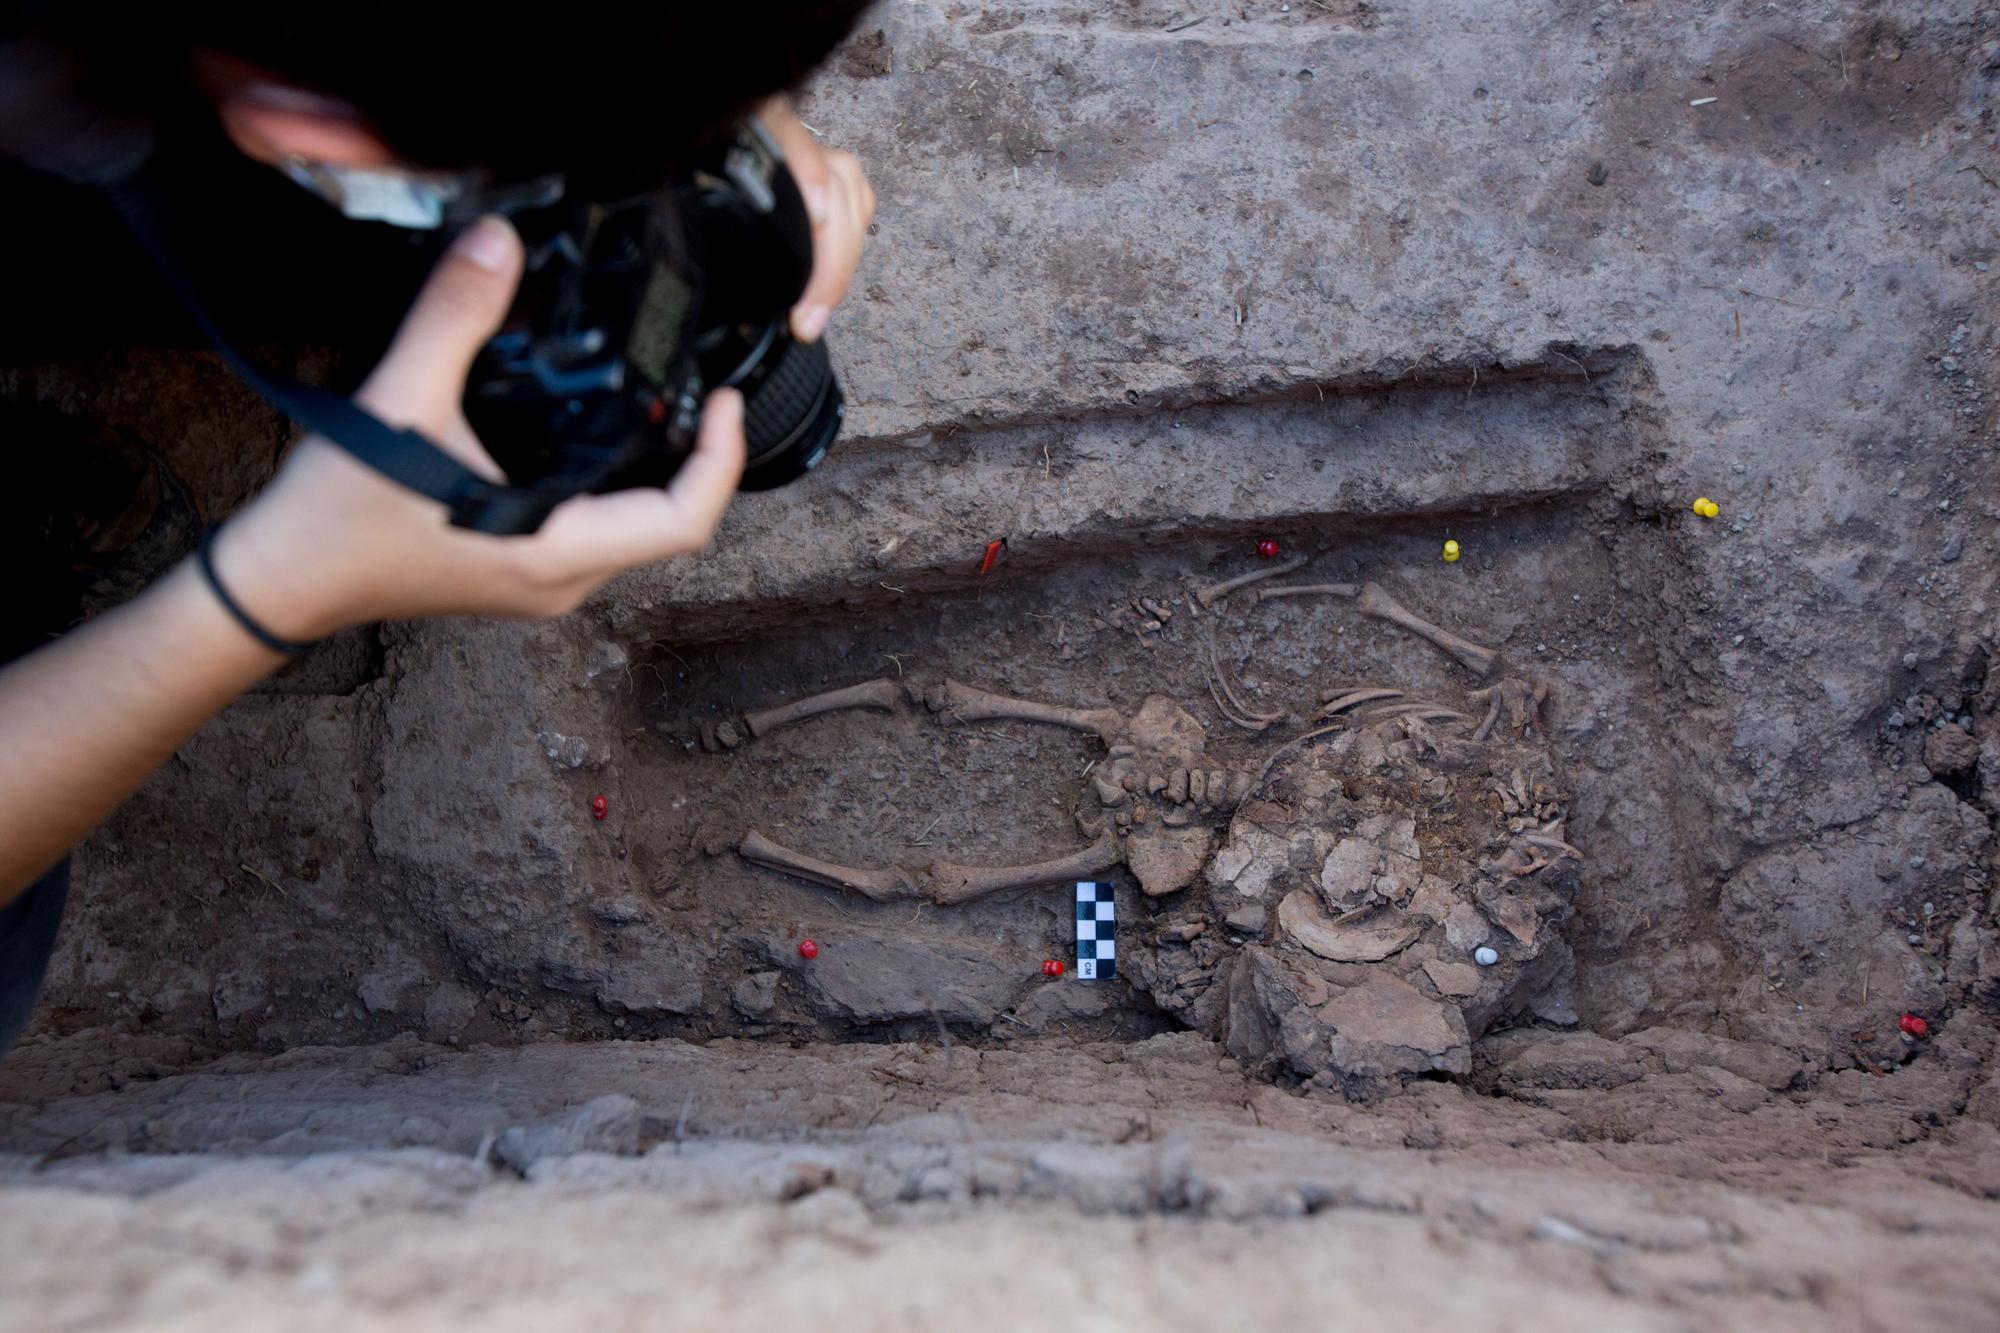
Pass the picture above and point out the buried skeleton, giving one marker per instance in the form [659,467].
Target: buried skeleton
[1357,909]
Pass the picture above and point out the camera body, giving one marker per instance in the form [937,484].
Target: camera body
[632,311]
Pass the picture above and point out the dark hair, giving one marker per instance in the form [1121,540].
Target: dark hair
[595,88]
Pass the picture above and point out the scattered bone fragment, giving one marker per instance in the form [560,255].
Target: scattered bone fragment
[953,884]
[1518,701]
[881,886]
[881,695]
[1214,593]
[967,704]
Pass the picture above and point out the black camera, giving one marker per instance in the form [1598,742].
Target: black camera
[630,312]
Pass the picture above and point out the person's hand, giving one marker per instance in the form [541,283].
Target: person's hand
[331,543]
[841,204]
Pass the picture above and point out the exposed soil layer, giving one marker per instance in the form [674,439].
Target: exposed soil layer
[1150,287]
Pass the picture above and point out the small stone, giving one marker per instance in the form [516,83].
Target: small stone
[756,994]
[607,1124]
[1954,547]
[1950,752]
[1453,979]
[1910,661]
[607,665]
[1247,920]
[1485,956]
[1465,927]
[1895,720]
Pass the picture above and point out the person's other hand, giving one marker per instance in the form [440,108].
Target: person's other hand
[332,543]
[841,204]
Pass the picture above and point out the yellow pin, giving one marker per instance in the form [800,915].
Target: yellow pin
[1451,553]
[1706,507]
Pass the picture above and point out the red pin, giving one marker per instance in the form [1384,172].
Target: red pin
[599,807]
[808,949]
[1052,968]
[1268,549]
[1914,1025]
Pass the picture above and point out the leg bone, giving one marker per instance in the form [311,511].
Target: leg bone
[973,705]
[884,695]
[951,884]
[881,886]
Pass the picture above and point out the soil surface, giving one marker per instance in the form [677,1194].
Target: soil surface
[1519,936]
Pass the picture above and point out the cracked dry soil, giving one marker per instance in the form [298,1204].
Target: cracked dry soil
[361,1017]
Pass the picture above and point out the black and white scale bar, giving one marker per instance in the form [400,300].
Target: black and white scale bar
[1096,931]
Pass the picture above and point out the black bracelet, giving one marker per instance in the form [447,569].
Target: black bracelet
[256,631]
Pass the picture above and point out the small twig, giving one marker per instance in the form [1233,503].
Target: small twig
[1763,296]
[925,834]
[893,588]
[1183,27]
[253,870]
[1979,172]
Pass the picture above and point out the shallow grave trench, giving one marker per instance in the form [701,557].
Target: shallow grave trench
[680,735]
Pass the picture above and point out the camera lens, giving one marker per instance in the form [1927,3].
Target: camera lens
[792,410]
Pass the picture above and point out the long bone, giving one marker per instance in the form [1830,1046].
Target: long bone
[882,886]
[974,705]
[1371,600]
[942,882]
[1215,592]
[883,695]
[951,884]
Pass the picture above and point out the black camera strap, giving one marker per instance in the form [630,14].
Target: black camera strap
[403,456]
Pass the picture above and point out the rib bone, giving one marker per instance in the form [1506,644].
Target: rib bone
[883,695]
[974,705]
[881,886]
[1340,703]
[1214,593]
[951,885]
